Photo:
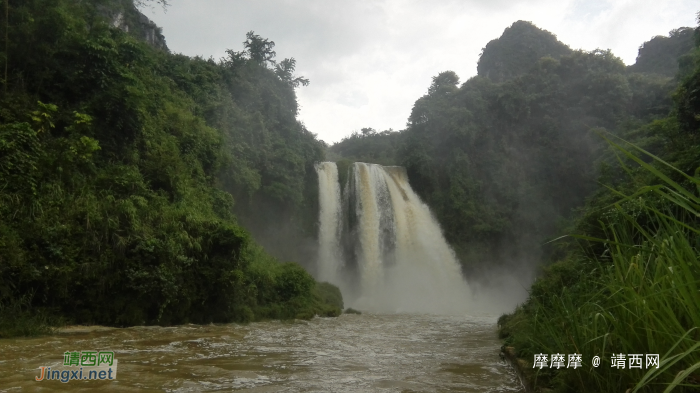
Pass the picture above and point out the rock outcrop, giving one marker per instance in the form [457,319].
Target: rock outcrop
[128,18]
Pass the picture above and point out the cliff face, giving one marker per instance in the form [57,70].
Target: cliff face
[518,49]
[125,16]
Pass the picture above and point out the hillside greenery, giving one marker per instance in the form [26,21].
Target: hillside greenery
[503,161]
[557,141]
[661,54]
[630,281]
[123,169]
[519,48]
[370,145]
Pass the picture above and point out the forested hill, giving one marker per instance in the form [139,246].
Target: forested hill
[118,162]
[627,278]
[517,51]
[503,158]
[662,54]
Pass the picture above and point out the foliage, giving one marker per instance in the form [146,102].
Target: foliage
[660,54]
[503,165]
[17,318]
[118,162]
[641,296]
[330,295]
[517,50]
[368,145]
[633,285]
[140,3]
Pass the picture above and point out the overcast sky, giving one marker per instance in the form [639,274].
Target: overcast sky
[369,60]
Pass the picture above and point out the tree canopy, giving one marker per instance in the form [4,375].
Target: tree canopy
[122,168]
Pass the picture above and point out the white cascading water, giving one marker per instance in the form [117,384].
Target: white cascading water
[396,247]
[330,259]
[371,208]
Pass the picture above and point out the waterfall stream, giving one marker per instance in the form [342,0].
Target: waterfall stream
[381,245]
[329,235]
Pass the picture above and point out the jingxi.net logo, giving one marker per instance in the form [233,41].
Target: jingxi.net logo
[83,365]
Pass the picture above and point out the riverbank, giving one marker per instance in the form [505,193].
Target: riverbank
[18,318]
[74,329]
[521,368]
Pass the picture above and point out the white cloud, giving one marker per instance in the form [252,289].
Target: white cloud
[369,60]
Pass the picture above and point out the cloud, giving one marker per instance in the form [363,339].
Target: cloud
[369,60]
[623,25]
[354,99]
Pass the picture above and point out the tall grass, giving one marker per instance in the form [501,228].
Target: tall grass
[642,296]
[18,318]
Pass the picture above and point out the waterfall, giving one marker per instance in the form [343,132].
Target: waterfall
[396,258]
[329,255]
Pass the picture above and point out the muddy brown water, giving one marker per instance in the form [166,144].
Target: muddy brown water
[351,353]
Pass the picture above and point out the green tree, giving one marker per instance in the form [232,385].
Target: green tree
[118,162]
[259,49]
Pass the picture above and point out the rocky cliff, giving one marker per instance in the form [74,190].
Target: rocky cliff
[125,16]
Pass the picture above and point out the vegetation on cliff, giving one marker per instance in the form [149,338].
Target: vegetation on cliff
[118,162]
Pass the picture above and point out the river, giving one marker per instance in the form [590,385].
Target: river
[351,353]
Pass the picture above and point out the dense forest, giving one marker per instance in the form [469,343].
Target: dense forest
[503,158]
[547,141]
[128,174]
